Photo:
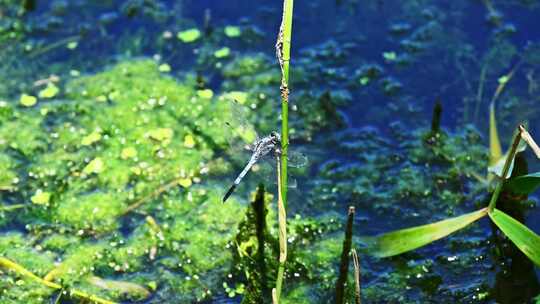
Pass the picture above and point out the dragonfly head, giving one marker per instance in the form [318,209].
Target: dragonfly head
[276,138]
[276,141]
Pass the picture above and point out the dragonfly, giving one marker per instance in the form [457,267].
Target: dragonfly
[261,148]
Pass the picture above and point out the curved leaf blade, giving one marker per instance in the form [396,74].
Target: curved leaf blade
[400,241]
[525,184]
[495,150]
[525,239]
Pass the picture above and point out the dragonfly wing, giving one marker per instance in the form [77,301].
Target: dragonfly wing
[296,159]
[292,183]
[266,170]
[237,120]
[237,145]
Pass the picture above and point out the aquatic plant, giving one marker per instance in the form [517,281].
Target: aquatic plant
[251,241]
[283,52]
[344,262]
[107,153]
[400,241]
[148,216]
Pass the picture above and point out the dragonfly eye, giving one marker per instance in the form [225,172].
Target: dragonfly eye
[275,136]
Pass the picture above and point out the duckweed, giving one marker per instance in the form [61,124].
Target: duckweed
[232,31]
[222,52]
[189,35]
[27,100]
[94,159]
[49,92]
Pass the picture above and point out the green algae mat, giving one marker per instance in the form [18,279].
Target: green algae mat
[76,165]
[112,188]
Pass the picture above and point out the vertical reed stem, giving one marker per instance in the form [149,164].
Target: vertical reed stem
[282,219]
[283,53]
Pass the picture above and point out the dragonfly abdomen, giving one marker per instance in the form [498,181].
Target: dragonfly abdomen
[237,181]
[229,192]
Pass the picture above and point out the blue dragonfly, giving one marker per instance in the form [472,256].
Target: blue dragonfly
[262,148]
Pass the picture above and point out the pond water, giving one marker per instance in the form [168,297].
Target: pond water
[115,155]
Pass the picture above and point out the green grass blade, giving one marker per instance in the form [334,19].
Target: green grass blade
[400,241]
[525,184]
[495,150]
[525,239]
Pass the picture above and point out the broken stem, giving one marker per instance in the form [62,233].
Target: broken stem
[526,136]
[356,277]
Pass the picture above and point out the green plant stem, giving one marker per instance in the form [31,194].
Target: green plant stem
[282,221]
[285,60]
[12,207]
[279,283]
[283,50]
[506,168]
[8,264]
[54,45]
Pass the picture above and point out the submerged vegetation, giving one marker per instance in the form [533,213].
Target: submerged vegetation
[114,153]
[106,148]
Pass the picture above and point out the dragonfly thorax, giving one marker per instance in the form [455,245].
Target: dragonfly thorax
[268,144]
